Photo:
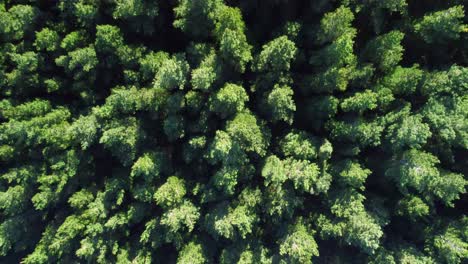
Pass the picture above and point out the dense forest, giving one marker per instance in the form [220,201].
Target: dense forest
[233,131]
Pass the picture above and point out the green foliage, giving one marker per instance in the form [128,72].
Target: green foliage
[360,102]
[226,179]
[274,171]
[83,13]
[26,110]
[108,38]
[206,74]
[413,207]
[447,118]
[17,21]
[234,221]
[335,24]
[213,131]
[24,75]
[150,64]
[411,255]
[451,81]
[196,18]
[325,150]
[303,174]
[402,254]
[84,130]
[229,30]
[235,49]
[192,253]
[183,217]
[138,13]
[299,246]
[46,130]
[339,53]
[147,166]
[251,253]
[228,18]
[170,193]
[128,9]
[281,104]
[81,199]
[237,222]
[450,242]
[417,169]
[249,132]
[299,145]
[411,132]
[79,63]
[73,40]
[47,39]
[336,60]
[403,81]
[441,26]
[332,79]
[351,222]
[220,148]
[172,73]
[121,138]
[350,173]
[358,131]
[386,51]
[276,56]
[230,99]
[194,148]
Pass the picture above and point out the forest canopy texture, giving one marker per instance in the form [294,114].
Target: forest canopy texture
[229,131]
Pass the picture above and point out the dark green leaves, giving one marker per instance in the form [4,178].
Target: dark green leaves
[213,131]
[276,56]
[441,26]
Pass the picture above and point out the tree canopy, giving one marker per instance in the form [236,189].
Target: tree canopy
[220,131]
